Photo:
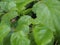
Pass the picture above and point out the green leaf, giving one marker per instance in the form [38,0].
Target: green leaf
[21,4]
[2,7]
[6,40]
[4,30]
[32,40]
[11,5]
[25,20]
[8,16]
[6,6]
[42,35]
[26,11]
[23,23]
[18,5]
[48,13]
[7,0]
[19,38]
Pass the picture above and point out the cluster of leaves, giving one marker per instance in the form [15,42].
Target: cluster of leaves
[29,22]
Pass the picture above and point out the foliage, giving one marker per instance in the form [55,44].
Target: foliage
[29,22]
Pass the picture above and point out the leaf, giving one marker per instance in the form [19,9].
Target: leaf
[26,11]
[31,37]
[21,4]
[42,35]
[51,43]
[26,20]
[7,17]
[11,5]
[4,30]
[6,6]
[19,38]
[48,13]
[6,40]
[18,5]
[23,23]
[7,0]
[2,7]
